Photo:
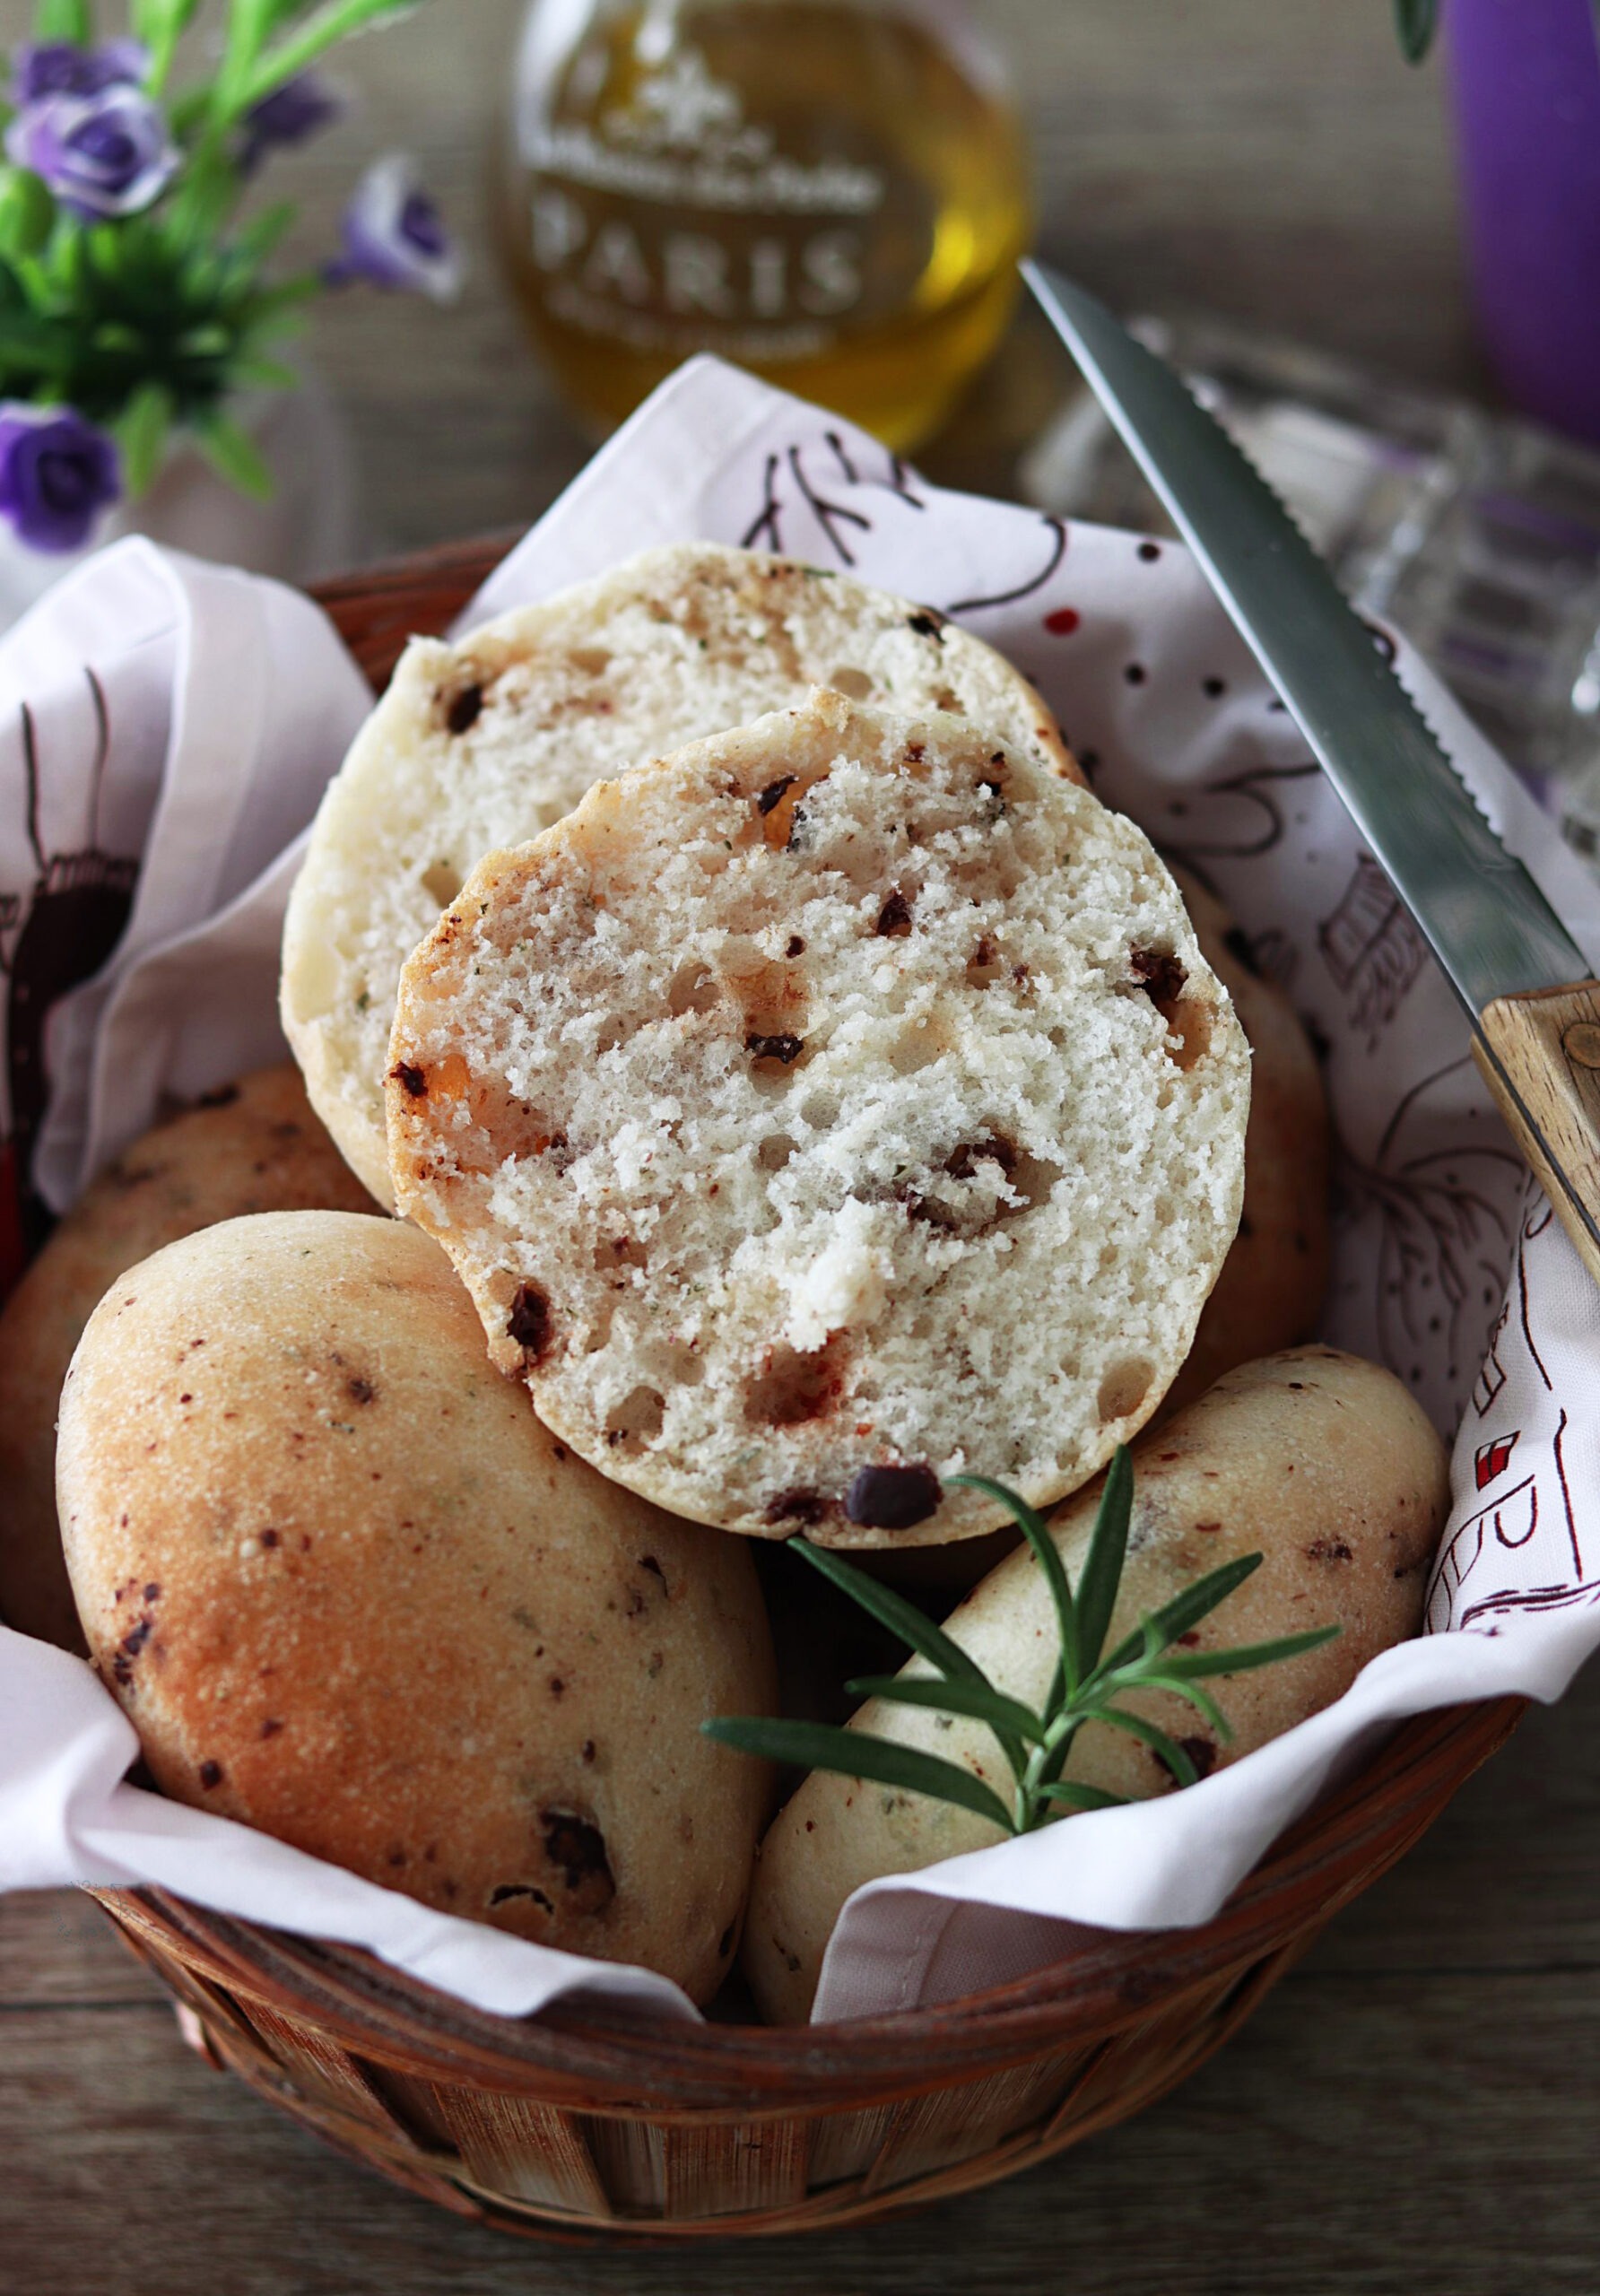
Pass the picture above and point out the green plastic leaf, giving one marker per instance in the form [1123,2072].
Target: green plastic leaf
[1186,1610]
[1193,1665]
[1079,1796]
[207,342]
[268,374]
[1416,21]
[261,234]
[323,29]
[62,20]
[159,24]
[1102,1566]
[914,1627]
[1136,1726]
[1002,1714]
[142,434]
[231,455]
[1055,1570]
[855,1753]
[37,345]
[249,24]
[27,212]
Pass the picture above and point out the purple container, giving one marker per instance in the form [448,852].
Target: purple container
[1527,78]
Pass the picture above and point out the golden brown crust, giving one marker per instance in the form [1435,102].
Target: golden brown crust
[350,1591]
[254,1146]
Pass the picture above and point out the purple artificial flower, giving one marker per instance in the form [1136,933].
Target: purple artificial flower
[290,113]
[57,474]
[105,154]
[58,67]
[395,236]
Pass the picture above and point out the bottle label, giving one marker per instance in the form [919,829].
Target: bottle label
[674,219]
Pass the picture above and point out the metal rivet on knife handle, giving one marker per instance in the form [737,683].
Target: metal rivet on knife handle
[1540,1056]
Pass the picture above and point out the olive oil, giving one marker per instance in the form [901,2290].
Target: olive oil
[832,193]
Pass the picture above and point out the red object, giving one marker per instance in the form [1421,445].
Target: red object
[1063,622]
[1493,1459]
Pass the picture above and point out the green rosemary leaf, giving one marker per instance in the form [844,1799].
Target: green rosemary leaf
[1164,1626]
[855,1754]
[1191,1665]
[142,434]
[1102,1566]
[1049,1562]
[233,457]
[1167,1748]
[1003,1715]
[67,19]
[1081,1796]
[1201,1700]
[902,1618]
[1416,21]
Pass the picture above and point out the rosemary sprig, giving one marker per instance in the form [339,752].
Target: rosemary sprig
[1087,1684]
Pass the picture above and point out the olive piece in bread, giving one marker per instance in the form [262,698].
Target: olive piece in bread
[350,1591]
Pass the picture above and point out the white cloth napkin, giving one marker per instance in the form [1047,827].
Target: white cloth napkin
[229,702]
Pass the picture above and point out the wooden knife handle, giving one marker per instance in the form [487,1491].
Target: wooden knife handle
[1540,1057]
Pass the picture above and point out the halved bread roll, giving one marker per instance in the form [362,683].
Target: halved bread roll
[840,1104]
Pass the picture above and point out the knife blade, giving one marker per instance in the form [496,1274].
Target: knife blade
[1534,1014]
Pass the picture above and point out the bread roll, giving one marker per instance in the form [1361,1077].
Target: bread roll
[480,745]
[253,1146]
[840,1104]
[1322,1463]
[350,1592]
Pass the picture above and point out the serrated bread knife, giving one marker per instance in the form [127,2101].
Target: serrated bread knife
[1534,1014]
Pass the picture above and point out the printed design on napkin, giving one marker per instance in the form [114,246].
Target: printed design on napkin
[1444,1218]
[67,924]
[833,519]
[1372,948]
[1514,1542]
[791,522]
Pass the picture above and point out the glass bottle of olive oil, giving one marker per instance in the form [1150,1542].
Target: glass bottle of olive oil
[833,193]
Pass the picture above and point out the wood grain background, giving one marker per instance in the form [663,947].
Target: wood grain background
[1415,2108]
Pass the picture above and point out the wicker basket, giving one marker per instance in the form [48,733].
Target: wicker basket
[601,2122]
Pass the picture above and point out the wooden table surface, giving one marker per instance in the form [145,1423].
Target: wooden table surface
[1413,2110]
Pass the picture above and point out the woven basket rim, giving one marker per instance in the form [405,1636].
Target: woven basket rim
[1326,1855]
